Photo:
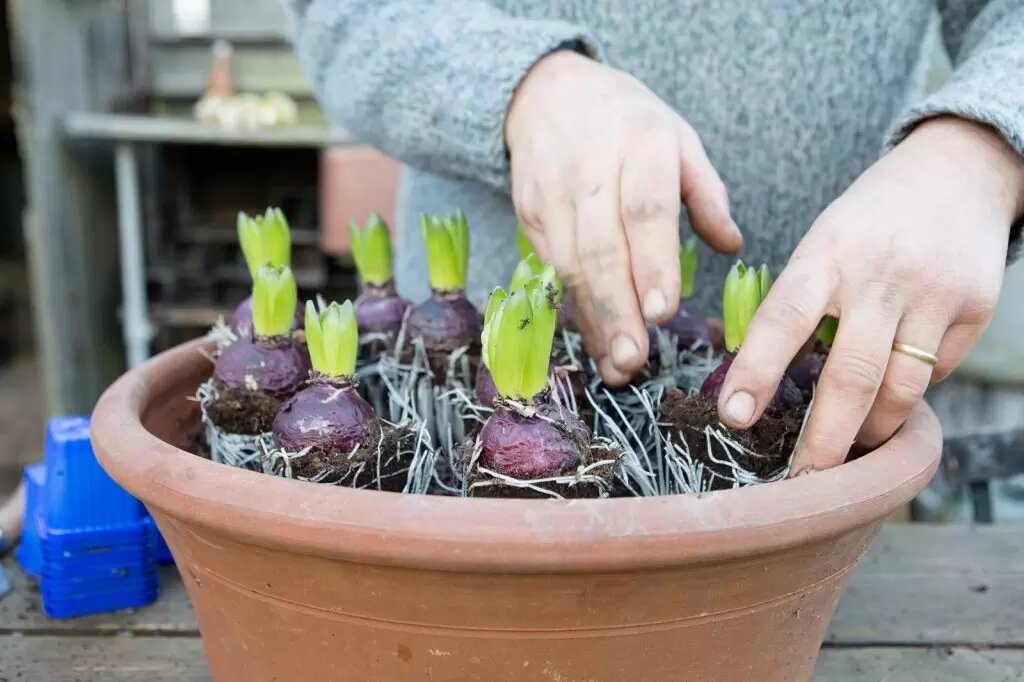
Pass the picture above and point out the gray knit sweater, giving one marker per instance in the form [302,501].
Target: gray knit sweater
[792,98]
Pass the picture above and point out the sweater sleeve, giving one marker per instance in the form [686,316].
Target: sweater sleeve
[986,40]
[987,84]
[428,82]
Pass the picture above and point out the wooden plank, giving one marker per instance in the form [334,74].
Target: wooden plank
[180,70]
[69,220]
[922,664]
[157,129]
[233,19]
[84,659]
[21,612]
[936,585]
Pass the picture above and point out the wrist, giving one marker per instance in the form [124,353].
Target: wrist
[982,156]
[555,67]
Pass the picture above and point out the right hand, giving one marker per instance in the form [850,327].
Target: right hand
[600,166]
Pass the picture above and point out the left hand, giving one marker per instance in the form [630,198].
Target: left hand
[914,251]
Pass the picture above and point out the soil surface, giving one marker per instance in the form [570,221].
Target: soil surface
[368,467]
[773,437]
[242,411]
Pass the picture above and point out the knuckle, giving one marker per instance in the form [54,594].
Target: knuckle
[644,210]
[601,258]
[645,122]
[787,312]
[978,310]
[858,373]
[901,392]
[826,449]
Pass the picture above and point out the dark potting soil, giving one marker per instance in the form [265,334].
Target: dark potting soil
[370,466]
[241,411]
[773,437]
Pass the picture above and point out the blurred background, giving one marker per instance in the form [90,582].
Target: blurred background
[133,131]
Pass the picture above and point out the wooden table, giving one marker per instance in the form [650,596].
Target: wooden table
[927,603]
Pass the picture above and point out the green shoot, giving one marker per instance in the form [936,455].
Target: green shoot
[519,329]
[531,266]
[264,239]
[333,338]
[687,267]
[371,250]
[274,298]
[744,290]
[447,242]
[827,330]
[523,242]
[764,281]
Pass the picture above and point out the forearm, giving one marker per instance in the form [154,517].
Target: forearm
[428,82]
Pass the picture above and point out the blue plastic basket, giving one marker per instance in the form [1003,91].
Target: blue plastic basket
[61,602]
[92,546]
[161,550]
[79,493]
[29,552]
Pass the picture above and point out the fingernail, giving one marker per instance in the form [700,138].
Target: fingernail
[654,305]
[624,350]
[739,408]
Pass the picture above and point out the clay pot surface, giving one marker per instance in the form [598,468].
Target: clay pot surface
[297,581]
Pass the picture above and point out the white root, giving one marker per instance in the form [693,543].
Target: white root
[234,449]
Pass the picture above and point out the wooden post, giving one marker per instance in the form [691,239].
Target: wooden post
[71,56]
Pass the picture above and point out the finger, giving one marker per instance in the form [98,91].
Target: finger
[527,202]
[787,317]
[905,380]
[558,226]
[848,384]
[957,342]
[705,196]
[649,197]
[612,308]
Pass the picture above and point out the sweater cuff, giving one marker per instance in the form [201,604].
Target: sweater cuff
[989,106]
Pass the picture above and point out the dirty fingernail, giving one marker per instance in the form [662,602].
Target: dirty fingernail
[624,350]
[739,408]
[654,305]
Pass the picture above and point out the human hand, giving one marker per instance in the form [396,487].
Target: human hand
[599,166]
[913,252]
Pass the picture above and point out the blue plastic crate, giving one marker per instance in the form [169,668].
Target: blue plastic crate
[63,543]
[79,494]
[59,602]
[29,552]
[161,550]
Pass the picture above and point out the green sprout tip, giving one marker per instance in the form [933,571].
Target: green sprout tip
[531,266]
[264,239]
[687,267]
[371,250]
[519,329]
[274,298]
[523,242]
[447,243]
[333,338]
[745,288]
[827,330]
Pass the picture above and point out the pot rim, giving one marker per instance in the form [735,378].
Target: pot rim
[485,535]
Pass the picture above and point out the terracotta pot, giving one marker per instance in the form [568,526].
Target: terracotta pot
[297,581]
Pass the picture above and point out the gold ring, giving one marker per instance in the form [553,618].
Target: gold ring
[922,355]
